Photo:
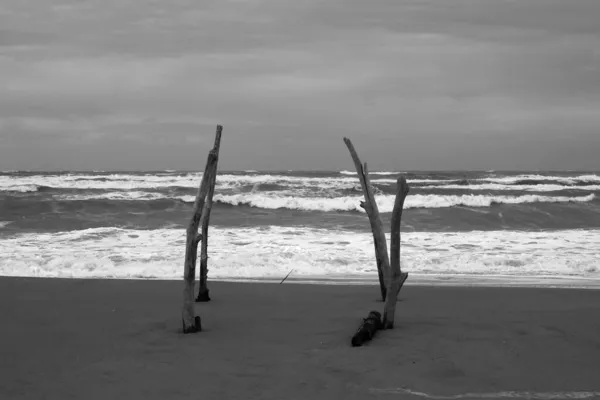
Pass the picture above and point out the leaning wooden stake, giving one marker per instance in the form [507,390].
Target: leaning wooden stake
[190,323]
[370,206]
[397,278]
[203,290]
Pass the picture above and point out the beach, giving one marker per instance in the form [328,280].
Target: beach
[103,339]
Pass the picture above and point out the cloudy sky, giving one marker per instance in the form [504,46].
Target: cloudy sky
[416,84]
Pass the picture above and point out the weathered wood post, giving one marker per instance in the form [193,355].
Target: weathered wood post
[203,287]
[397,278]
[367,329]
[190,322]
[370,206]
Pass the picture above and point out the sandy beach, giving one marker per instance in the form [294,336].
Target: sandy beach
[114,339]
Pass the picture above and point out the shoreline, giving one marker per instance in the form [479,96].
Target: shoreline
[414,279]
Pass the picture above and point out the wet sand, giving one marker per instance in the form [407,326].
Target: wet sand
[117,339]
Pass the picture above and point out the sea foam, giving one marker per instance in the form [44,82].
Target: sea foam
[271,252]
[123,181]
[384,202]
[527,188]
[291,201]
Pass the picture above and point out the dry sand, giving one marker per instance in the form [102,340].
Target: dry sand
[114,339]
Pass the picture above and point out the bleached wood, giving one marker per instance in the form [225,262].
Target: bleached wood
[370,206]
[397,278]
[203,287]
[191,323]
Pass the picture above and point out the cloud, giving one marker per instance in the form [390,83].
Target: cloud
[431,71]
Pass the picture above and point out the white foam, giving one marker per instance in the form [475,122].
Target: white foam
[384,202]
[189,180]
[345,172]
[133,195]
[20,188]
[386,173]
[590,178]
[271,252]
[290,200]
[125,181]
[528,188]
[5,223]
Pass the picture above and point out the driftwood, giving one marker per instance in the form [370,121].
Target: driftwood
[370,206]
[397,278]
[190,323]
[367,329]
[203,287]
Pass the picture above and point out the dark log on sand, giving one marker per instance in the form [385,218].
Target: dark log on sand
[367,329]
[397,278]
[203,287]
[190,323]
[370,206]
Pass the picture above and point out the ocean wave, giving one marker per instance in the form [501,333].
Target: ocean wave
[21,188]
[287,200]
[5,223]
[386,202]
[500,187]
[304,184]
[271,252]
[190,180]
[346,172]
[535,178]
[124,196]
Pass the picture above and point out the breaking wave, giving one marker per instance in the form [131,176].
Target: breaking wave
[274,200]
[345,172]
[524,187]
[386,202]
[129,181]
[263,252]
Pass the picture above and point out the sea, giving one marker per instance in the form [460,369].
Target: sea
[458,227]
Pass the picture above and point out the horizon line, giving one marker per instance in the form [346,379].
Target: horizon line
[250,170]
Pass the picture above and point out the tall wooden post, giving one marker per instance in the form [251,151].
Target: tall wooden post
[190,322]
[370,206]
[203,288]
[397,278]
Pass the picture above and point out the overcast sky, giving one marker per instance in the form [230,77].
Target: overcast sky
[416,84]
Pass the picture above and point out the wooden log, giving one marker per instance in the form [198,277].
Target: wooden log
[203,287]
[190,323]
[367,329]
[397,278]
[370,206]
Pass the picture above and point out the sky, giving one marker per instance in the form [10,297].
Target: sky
[416,84]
